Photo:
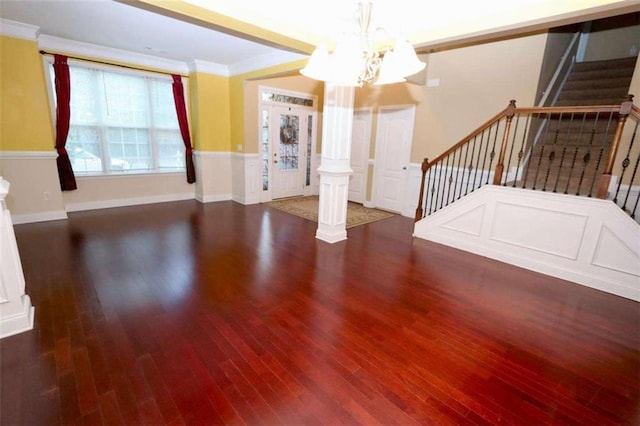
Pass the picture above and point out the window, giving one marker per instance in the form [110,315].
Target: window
[122,122]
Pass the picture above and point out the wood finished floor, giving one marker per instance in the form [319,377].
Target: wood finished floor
[183,313]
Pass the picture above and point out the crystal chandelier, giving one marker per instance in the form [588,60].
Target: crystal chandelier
[358,58]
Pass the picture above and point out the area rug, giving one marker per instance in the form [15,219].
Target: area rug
[307,207]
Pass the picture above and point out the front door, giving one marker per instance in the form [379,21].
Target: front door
[393,151]
[288,151]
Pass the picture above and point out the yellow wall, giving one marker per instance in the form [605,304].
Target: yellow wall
[210,112]
[25,115]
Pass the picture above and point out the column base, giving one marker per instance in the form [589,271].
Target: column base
[331,237]
[23,321]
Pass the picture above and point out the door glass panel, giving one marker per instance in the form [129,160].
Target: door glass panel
[289,142]
[265,150]
[309,135]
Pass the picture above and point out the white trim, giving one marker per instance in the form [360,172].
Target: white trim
[214,198]
[213,154]
[28,155]
[559,69]
[264,61]
[585,240]
[198,65]
[21,322]
[19,219]
[245,155]
[58,44]
[18,30]
[125,202]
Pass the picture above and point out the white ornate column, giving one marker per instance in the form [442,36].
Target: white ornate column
[16,312]
[335,167]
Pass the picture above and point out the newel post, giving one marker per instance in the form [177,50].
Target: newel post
[510,112]
[419,211]
[605,178]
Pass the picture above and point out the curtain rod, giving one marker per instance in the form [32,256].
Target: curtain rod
[43,52]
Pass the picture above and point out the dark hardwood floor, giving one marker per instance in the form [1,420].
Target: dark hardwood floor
[183,313]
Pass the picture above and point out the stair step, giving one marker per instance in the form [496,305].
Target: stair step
[584,102]
[606,64]
[594,94]
[602,83]
[599,74]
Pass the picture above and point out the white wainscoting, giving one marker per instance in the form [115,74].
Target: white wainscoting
[213,176]
[246,182]
[35,189]
[584,240]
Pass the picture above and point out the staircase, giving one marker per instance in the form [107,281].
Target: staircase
[477,195]
[597,82]
[564,143]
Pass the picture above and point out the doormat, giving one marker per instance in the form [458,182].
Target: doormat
[307,208]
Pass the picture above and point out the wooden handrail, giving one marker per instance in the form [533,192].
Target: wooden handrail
[568,109]
[624,110]
[499,116]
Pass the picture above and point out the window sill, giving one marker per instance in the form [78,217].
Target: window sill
[127,174]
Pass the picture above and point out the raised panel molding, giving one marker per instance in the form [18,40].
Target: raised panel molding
[547,231]
[588,241]
[469,222]
[613,253]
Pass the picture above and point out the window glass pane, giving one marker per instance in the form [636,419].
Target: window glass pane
[163,106]
[286,99]
[132,148]
[84,102]
[127,100]
[83,146]
[171,152]
[122,122]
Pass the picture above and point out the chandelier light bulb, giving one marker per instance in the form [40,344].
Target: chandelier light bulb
[357,60]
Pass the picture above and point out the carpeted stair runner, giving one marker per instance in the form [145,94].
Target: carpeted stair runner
[580,147]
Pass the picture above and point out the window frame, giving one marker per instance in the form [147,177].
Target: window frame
[153,145]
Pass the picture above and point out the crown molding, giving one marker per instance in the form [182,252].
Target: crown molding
[264,61]
[18,30]
[198,65]
[57,44]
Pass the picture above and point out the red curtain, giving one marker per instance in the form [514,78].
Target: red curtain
[63,114]
[178,98]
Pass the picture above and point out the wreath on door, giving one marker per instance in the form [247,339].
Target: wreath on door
[287,134]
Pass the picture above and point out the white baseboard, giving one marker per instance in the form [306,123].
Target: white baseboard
[19,219]
[106,204]
[244,200]
[23,321]
[214,198]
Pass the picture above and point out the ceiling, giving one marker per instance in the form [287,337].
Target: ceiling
[233,32]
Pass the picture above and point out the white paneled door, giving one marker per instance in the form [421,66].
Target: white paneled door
[393,151]
[289,152]
[360,142]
